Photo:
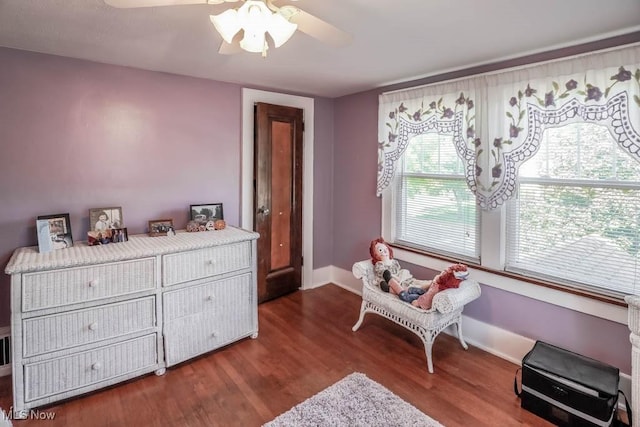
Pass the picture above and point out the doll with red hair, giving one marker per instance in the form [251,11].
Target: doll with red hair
[447,279]
[391,276]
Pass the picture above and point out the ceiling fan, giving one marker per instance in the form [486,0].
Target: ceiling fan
[246,27]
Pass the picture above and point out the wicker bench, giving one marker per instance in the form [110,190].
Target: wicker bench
[427,324]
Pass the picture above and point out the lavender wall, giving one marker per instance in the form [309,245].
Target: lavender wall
[76,135]
[589,335]
[323,183]
[357,220]
[357,211]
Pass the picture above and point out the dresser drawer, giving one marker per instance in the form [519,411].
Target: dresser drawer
[230,294]
[59,331]
[64,374]
[190,336]
[48,289]
[192,265]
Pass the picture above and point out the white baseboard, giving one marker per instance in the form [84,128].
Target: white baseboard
[497,341]
[321,277]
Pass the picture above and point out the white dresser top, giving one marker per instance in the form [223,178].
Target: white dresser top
[28,259]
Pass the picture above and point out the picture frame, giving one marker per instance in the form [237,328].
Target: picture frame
[161,227]
[104,237]
[57,229]
[44,237]
[101,219]
[119,235]
[204,213]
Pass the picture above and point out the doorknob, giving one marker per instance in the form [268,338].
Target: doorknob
[263,210]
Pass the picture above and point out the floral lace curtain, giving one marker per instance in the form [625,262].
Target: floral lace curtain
[444,109]
[498,120]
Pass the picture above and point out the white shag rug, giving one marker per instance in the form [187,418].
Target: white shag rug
[4,421]
[355,400]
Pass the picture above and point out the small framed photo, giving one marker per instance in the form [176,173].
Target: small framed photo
[161,227]
[119,235]
[57,228]
[44,237]
[104,237]
[95,238]
[101,219]
[205,213]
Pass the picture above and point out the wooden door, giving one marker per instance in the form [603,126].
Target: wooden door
[278,198]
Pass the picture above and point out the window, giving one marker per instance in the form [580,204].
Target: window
[533,171]
[435,211]
[576,217]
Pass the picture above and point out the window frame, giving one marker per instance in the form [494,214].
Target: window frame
[492,235]
[417,247]
[567,284]
[490,271]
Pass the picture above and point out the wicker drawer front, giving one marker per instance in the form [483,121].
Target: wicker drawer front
[192,265]
[91,367]
[56,288]
[219,296]
[50,333]
[191,336]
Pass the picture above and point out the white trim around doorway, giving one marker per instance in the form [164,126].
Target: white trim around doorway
[249,98]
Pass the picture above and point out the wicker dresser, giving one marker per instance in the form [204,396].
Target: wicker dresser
[84,318]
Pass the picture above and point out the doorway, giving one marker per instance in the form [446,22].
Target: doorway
[249,98]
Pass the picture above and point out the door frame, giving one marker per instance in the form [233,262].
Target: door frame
[249,98]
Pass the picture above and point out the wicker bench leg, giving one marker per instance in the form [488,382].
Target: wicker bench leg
[462,342]
[427,350]
[363,311]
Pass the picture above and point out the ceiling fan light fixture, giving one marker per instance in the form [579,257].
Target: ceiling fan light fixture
[227,24]
[255,18]
[254,42]
[280,29]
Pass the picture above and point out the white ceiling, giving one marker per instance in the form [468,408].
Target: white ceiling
[393,40]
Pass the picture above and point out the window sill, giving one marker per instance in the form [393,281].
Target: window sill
[602,306]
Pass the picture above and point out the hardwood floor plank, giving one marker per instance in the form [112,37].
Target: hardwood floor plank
[305,344]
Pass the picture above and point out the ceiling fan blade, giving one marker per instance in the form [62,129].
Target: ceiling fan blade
[125,4]
[316,27]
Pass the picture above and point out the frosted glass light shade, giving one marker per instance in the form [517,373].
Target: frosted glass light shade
[227,23]
[280,29]
[253,42]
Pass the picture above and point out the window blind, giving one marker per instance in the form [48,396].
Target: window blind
[576,217]
[435,210]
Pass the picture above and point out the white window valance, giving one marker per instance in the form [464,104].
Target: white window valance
[447,109]
[497,119]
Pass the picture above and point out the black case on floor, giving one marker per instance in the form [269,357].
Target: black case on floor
[569,389]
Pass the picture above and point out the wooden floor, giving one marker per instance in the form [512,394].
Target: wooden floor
[305,344]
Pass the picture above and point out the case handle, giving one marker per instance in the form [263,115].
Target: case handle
[629,415]
[515,384]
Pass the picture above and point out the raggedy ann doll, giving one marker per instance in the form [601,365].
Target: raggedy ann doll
[393,278]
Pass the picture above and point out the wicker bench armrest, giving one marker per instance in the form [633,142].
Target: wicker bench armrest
[362,268]
[452,299]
